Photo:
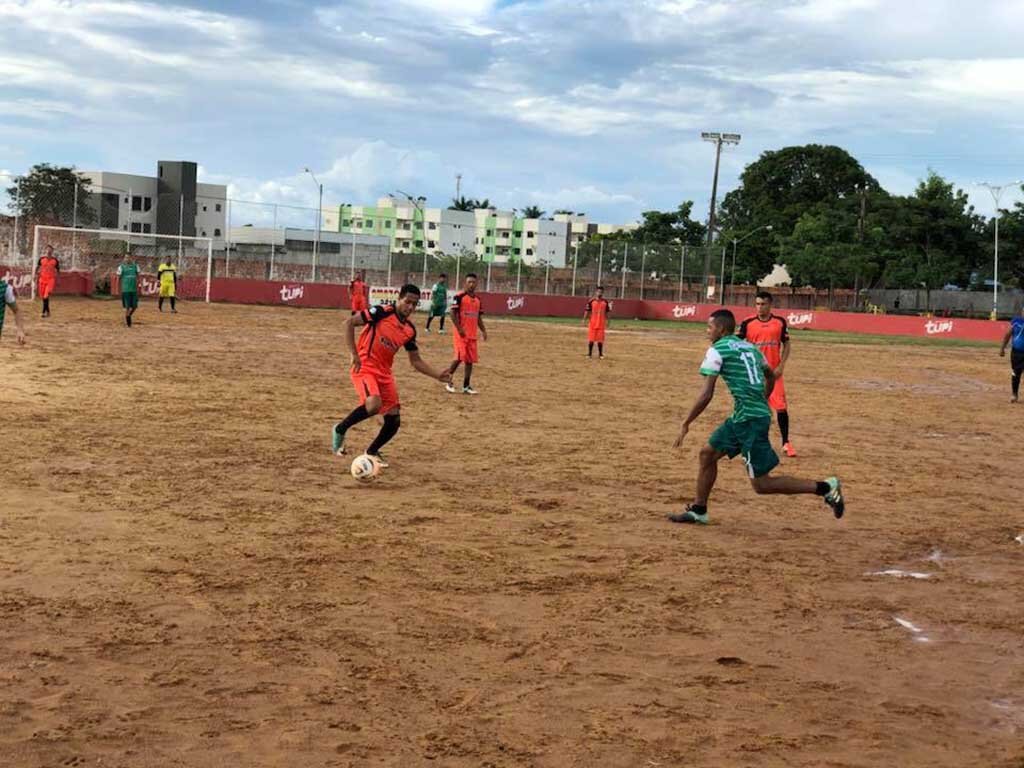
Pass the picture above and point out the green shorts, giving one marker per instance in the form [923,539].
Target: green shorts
[749,438]
[437,311]
[130,300]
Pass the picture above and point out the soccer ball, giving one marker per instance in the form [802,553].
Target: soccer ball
[365,468]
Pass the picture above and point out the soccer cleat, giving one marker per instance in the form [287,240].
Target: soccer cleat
[689,516]
[834,498]
[337,441]
[1013,399]
[469,391]
[379,458]
[449,387]
[441,332]
[426,330]
[789,449]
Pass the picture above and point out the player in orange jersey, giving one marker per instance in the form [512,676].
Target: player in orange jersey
[358,293]
[598,309]
[770,334]
[468,319]
[48,267]
[385,330]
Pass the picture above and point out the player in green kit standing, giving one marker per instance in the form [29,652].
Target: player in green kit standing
[438,301]
[128,275]
[749,379]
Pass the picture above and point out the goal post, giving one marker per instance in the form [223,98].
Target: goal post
[99,251]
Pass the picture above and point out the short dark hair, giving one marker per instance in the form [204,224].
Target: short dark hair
[600,287]
[724,319]
[473,275]
[763,295]
[409,288]
[442,275]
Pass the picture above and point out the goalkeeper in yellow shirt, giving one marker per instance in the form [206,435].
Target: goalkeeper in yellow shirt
[167,273]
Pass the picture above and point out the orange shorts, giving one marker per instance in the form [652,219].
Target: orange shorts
[595,334]
[46,286]
[465,349]
[369,383]
[359,306]
[777,399]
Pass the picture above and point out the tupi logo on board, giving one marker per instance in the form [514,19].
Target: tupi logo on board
[291,292]
[680,311]
[940,326]
[802,318]
[515,302]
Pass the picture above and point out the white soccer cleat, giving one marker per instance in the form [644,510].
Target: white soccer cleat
[469,391]
[449,388]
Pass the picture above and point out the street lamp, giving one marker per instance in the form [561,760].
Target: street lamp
[319,215]
[732,275]
[997,192]
[718,139]
[418,205]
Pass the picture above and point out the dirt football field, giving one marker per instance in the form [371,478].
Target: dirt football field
[188,577]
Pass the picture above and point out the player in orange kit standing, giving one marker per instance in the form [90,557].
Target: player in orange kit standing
[49,267]
[468,319]
[357,293]
[598,309]
[770,334]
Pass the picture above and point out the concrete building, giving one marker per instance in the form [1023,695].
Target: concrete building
[494,235]
[169,203]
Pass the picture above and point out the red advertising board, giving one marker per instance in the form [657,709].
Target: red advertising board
[68,283]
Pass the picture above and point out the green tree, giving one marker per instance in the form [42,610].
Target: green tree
[462,203]
[46,195]
[532,212]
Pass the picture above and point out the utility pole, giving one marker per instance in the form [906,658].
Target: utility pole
[997,192]
[458,186]
[718,139]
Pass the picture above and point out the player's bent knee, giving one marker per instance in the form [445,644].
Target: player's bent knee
[709,455]
[373,404]
[761,484]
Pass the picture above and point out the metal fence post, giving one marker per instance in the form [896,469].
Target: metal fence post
[273,244]
[600,262]
[682,267]
[488,278]
[519,275]
[389,267]
[575,260]
[625,267]
[547,276]
[458,271]
[643,268]
[74,228]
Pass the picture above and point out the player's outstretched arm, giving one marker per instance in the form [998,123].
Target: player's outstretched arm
[1006,340]
[353,322]
[426,369]
[707,394]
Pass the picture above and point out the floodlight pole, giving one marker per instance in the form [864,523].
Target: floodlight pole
[997,192]
[718,139]
[319,216]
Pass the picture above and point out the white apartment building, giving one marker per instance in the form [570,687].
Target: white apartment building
[168,203]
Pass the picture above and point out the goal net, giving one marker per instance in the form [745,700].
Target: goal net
[99,251]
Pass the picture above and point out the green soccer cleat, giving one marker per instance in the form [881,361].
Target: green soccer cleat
[834,498]
[337,441]
[689,516]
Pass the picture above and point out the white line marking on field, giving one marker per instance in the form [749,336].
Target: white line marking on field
[908,625]
[900,574]
[935,557]
[1020,539]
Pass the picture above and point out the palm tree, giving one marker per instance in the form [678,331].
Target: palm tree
[462,204]
[532,212]
[485,203]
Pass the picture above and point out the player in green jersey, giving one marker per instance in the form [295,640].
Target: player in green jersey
[438,301]
[9,299]
[749,379]
[128,272]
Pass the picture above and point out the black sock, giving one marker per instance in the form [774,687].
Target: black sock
[823,488]
[391,424]
[442,322]
[172,302]
[359,414]
[128,319]
[700,509]
[160,304]
[784,425]
[590,349]
[429,320]
[1015,384]
[46,305]
[600,349]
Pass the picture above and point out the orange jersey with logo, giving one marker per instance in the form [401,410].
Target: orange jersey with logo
[357,294]
[767,335]
[384,334]
[469,311]
[49,266]
[598,309]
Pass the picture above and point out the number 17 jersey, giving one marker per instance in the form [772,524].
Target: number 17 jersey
[742,366]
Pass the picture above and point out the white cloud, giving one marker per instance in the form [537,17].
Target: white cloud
[828,11]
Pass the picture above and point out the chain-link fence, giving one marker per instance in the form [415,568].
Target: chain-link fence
[273,241]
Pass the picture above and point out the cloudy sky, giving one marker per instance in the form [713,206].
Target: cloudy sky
[591,105]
